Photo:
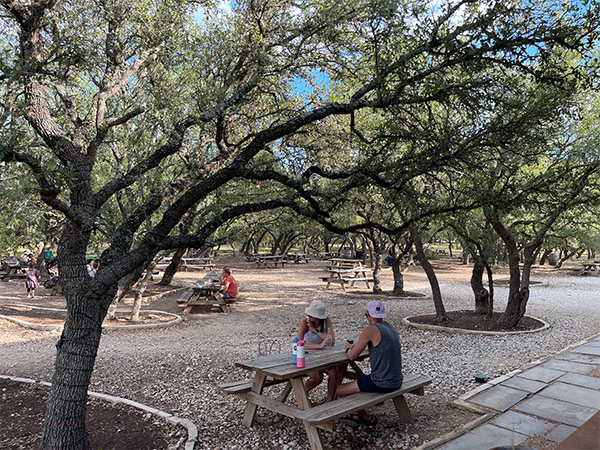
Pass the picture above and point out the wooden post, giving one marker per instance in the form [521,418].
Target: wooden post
[257,387]
[402,409]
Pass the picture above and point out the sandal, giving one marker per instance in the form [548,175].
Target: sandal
[370,422]
[352,420]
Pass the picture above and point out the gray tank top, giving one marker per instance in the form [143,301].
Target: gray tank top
[386,358]
[312,338]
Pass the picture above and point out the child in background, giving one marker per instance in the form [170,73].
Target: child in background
[31,280]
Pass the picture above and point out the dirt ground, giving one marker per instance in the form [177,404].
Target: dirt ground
[177,369]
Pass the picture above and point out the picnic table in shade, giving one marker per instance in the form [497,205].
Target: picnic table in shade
[344,263]
[265,260]
[196,263]
[11,269]
[328,255]
[297,258]
[349,276]
[204,295]
[590,268]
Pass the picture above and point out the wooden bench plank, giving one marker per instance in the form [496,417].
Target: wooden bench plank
[185,295]
[334,280]
[413,384]
[244,386]
[349,280]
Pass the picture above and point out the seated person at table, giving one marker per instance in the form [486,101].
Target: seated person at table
[386,362]
[229,290]
[316,329]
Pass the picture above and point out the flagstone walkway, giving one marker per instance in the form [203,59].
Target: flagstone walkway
[556,401]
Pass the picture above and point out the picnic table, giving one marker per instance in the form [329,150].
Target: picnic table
[10,270]
[278,368]
[197,263]
[328,255]
[348,276]
[592,268]
[204,295]
[344,263]
[264,261]
[297,258]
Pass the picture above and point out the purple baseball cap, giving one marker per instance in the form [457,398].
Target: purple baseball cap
[376,309]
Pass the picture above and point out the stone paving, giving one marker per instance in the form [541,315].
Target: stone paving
[547,400]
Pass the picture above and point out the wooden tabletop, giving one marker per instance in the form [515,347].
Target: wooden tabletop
[344,260]
[281,367]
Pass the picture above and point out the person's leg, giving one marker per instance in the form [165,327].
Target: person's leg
[314,379]
[346,389]
[353,387]
[332,381]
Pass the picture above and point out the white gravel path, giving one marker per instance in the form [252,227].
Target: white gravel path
[177,369]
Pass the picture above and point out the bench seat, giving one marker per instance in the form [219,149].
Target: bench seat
[327,412]
[243,386]
[350,280]
[334,280]
[185,295]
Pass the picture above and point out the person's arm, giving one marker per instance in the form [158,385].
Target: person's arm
[302,329]
[329,325]
[366,336]
[225,286]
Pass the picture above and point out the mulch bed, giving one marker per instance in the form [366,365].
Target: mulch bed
[110,426]
[469,320]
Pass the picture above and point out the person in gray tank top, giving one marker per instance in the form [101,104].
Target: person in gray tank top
[317,330]
[386,362]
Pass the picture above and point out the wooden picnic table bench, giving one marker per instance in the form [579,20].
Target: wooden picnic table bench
[204,296]
[327,255]
[348,276]
[278,368]
[270,259]
[10,270]
[327,412]
[297,258]
[197,263]
[590,268]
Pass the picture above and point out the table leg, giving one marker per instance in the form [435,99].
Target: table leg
[402,409]
[302,399]
[284,395]
[257,387]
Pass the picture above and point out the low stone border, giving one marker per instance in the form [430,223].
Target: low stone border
[406,321]
[47,326]
[189,425]
[370,295]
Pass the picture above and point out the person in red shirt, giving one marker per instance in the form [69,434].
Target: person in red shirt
[229,289]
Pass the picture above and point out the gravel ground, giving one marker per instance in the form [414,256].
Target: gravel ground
[177,369]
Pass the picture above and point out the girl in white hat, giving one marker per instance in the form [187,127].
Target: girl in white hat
[316,329]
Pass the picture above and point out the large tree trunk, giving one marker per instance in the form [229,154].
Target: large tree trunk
[398,277]
[518,293]
[139,293]
[482,295]
[440,311]
[377,272]
[172,268]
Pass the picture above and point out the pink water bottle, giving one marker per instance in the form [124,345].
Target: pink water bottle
[300,354]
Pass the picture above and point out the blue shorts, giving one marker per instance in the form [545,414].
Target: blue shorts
[365,384]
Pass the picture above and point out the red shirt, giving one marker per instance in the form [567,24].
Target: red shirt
[232,289]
